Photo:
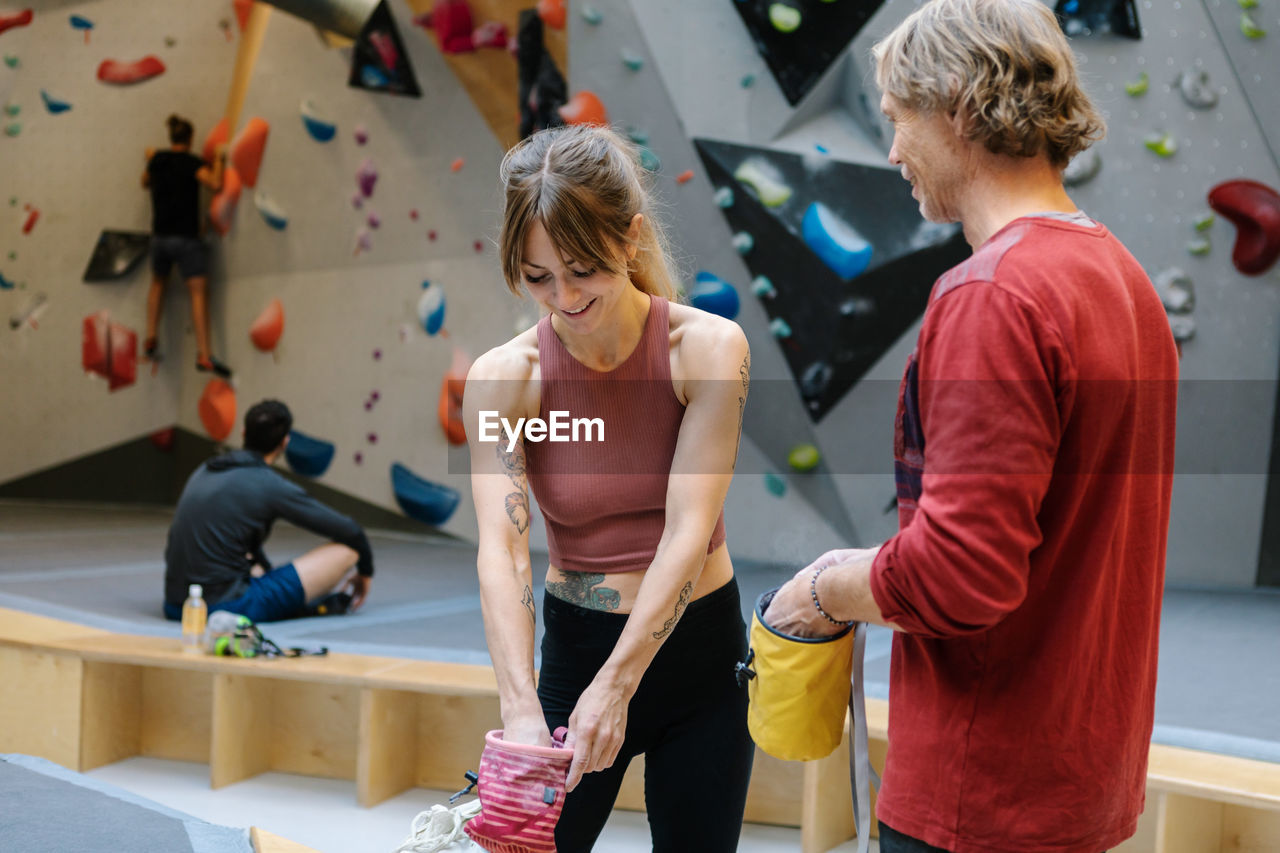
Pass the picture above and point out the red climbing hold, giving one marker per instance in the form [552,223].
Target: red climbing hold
[217,408]
[451,20]
[246,150]
[124,73]
[15,19]
[267,329]
[584,108]
[94,345]
[217,136]
[109,349]
[1255,210]
[33,215]
[552,13]
[243,8]
[162,439]
[223,207]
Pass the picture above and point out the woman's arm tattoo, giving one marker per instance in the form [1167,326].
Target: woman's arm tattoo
[527,601]
[745,372]
[681,604]
[517,502]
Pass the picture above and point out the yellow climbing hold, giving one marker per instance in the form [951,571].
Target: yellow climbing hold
[764,179]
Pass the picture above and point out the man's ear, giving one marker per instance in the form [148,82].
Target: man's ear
[960,122]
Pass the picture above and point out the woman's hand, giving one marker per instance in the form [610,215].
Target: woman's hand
[597,727]
[531,730]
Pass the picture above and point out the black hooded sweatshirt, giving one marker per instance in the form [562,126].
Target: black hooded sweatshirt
[226,512]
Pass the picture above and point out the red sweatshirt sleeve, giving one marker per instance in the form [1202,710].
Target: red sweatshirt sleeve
[989,369]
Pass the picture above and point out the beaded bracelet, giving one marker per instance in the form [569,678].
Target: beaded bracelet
[813,593]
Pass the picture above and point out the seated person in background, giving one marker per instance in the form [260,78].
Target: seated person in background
[225,515]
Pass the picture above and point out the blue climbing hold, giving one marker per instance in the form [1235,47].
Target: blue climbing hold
[308,456]
[431,308]
[317,124]
[836,243]
[774,484]
[714,294]
[5,284]
[424,500]
[52,104]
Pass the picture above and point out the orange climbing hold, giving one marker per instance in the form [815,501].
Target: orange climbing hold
[684,177]
[217,409]
[246,150]
[451,388]
[267,329]
[552,13]
[222,209]
[584,108]
[218,136]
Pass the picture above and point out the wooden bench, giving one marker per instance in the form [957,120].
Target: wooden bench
[83,698]
[1197,802]
[86,698]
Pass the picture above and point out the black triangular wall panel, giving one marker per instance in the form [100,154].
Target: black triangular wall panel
[839,329]
[379,62]
[1099,17]
[798,58]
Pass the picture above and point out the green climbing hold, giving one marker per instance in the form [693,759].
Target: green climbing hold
[638,136]
[1162,144]
[775,485]
[785,19]
[1248,4]
[13,128]
[11,60]
[763,288]
[1250,27]
[632,60]
[1199,247]
[592,15]
[1140,87]
[804,457]
[747,81]
[762,177]
[170,41]
[12,109]
[779,328]
[13,256]
[1204,223]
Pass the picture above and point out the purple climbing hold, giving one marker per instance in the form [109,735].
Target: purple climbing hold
[375,396]
[362,135]
[373,438]
[374,220]
[366,177]
[359,457]
[377,355]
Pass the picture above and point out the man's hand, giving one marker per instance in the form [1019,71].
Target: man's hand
[792,610]
[359,589]
[597,727]
[148,154]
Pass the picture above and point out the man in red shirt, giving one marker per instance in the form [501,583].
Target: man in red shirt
[1033,457]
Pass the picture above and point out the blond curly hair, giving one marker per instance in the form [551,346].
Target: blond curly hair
[1004,65]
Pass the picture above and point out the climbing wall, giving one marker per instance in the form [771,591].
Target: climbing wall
[1165,149]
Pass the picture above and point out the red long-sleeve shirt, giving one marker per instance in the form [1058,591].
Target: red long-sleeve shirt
[1034,458]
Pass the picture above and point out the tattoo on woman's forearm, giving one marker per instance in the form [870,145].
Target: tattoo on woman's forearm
[517,502]
[527,601]
[681,603]
[518,510]
[583,590]
[745,372]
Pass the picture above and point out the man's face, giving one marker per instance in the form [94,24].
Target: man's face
[930,155]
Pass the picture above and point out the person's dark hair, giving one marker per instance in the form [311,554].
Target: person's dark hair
[180,130]
[266,425]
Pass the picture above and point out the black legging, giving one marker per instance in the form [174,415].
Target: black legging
[688,718]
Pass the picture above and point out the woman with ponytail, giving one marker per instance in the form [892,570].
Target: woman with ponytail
[643,623]
[174,178]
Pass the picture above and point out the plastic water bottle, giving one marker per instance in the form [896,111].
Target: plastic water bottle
[194,615]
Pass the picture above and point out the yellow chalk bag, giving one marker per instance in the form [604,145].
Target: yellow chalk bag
[798,690]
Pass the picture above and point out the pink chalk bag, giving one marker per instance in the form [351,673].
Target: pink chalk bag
[521,790]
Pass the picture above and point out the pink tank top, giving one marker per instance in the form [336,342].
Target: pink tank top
[605,501]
